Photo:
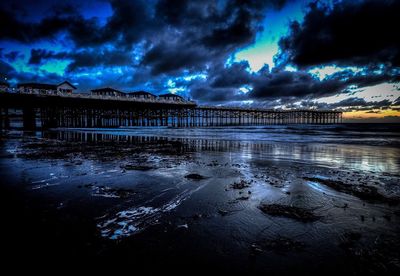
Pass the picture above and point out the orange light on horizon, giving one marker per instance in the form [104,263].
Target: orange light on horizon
[371,114]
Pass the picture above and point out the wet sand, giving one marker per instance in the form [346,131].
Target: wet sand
[159,204]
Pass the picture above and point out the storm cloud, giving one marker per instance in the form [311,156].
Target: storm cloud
[362,33]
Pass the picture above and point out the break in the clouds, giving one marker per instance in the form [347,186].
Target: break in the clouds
[329,54]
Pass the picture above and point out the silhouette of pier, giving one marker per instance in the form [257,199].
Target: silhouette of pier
[88,111]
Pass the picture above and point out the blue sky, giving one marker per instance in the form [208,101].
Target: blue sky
[275,25]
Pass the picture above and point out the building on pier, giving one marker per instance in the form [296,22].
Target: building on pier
[171,97]
[46,89]
[65,88]
[108,91]
[141,95]
[4,87]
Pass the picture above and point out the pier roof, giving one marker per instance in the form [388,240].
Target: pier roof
[140,93]
[170,95]
[104,89]
[67,82]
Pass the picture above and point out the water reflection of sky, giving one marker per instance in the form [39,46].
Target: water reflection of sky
[334,152]
[344,134]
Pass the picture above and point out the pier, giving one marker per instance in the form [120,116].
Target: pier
[88,111]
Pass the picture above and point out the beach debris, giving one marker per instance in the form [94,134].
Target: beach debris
[362,191]
[109,192]
[243,198]
[280,245]
[223,212]
[242,184]
[256,249]
[136,167]
[105,191]
[194,176]
[136,219]
[213,163]
[349,240]
[276,183]
[381,257]
[344,206]
[287,211]
[354,236]
[198,216]
[183,226]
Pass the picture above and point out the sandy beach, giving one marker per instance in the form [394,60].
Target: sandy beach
[205,199]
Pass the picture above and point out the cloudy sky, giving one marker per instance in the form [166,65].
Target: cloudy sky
[274,54]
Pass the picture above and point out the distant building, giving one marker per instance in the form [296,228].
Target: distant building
[141,95]
[171,97]
[45,88]
[4,86]
[37,88]
[108,91]
[65,88]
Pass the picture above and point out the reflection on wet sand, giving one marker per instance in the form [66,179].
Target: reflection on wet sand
[360,157]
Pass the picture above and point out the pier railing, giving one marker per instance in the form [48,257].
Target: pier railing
[86,111]
[111,98]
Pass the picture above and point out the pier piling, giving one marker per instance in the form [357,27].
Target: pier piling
[75,112]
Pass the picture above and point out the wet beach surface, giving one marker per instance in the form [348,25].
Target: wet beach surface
[218,202]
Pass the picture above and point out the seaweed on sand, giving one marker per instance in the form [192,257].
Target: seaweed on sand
[280,245]
[194,176]
[242,184]
[362,191]
[287,211]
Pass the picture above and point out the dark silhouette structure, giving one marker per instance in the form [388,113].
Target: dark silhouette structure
[51,111]
[44,88]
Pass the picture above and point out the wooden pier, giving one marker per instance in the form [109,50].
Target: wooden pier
[80,111]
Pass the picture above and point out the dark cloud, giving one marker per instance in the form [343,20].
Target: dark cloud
[351,33]
[299,84]
[82,31]
[287,86]
[19,31]
[83,59]
[39,56]
[355,103]
[195,35]
[131,22]
[235,75]
[6,69]
[219,95]
[349,104]
[238,32]
[98,58]
[170,58]
[185,35]
[13,56]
